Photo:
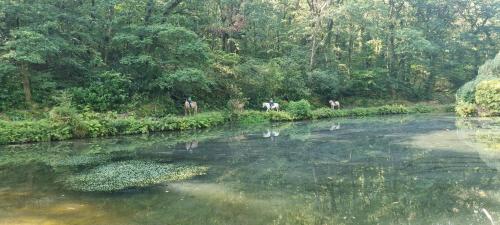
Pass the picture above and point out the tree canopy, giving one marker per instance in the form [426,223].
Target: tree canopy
[109,55]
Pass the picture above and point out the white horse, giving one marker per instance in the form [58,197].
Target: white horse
[268,106]
[334,104]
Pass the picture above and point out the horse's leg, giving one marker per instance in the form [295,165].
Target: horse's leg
[195,110]
[185,111]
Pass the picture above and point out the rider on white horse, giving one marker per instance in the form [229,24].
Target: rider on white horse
[271,105]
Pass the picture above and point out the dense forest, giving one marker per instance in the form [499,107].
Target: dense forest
[119,55]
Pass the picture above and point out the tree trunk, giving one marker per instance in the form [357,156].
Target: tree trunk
[171,6]
[25,76]
[313,52]
[149,11]
[350,47]
[107,36]
[314,43]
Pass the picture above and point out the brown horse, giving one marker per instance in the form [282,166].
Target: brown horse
[190,108]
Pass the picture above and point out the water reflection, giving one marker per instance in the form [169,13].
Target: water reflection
[386,170]
[271,133]
[335,126]
[190,146]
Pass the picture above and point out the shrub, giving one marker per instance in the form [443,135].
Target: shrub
[107,91]
[322,113]
[32,131]
[466,92]
[486,83]
[392,109]
[250,117]
[487,97]
[465,109]
[131,174]
[278,116]
[300,109]
[420,108]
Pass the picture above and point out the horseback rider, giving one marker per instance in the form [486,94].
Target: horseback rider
[271,103]
[189,101]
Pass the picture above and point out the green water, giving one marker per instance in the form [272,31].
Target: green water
[426,169]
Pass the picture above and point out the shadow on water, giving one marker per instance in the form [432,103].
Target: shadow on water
[426,169]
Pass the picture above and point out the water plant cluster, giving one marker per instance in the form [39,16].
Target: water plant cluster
[118,176]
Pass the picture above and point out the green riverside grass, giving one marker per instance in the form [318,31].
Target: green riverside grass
[70,125]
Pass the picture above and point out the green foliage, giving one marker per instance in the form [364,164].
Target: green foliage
[486,83]
[324,112]
[11,93]
[467,92]
[119,176]
[393,109]
[466,109]
[108,51]
[32,131]
[326,84]
[421,108]
[250,117]
[372,111]
[488,97]
[27,46]
[280,116]
[64,123]
[108,90]
[299,109]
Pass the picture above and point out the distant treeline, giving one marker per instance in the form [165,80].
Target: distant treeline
[152,54]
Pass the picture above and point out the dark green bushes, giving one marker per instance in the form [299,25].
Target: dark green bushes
[107,90]
[32,131]
[488,97]
[372,111]
[299,109]
[481,96]
[253,117]
[64,122]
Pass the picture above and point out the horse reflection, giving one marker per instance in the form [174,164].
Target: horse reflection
[238,138]
[271,134]
[335,127]
[190,146]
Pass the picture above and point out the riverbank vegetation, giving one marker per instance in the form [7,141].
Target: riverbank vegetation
[75,69]
[481,96]
[64,122]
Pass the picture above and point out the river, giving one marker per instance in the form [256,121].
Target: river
[419,169]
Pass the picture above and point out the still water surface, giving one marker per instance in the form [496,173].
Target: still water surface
[425,169]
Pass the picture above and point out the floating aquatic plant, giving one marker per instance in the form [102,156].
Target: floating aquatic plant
[79,160]
[131,174]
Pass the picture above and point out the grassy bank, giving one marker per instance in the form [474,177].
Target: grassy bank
[65,123]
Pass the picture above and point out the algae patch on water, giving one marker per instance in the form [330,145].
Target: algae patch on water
[131,174]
